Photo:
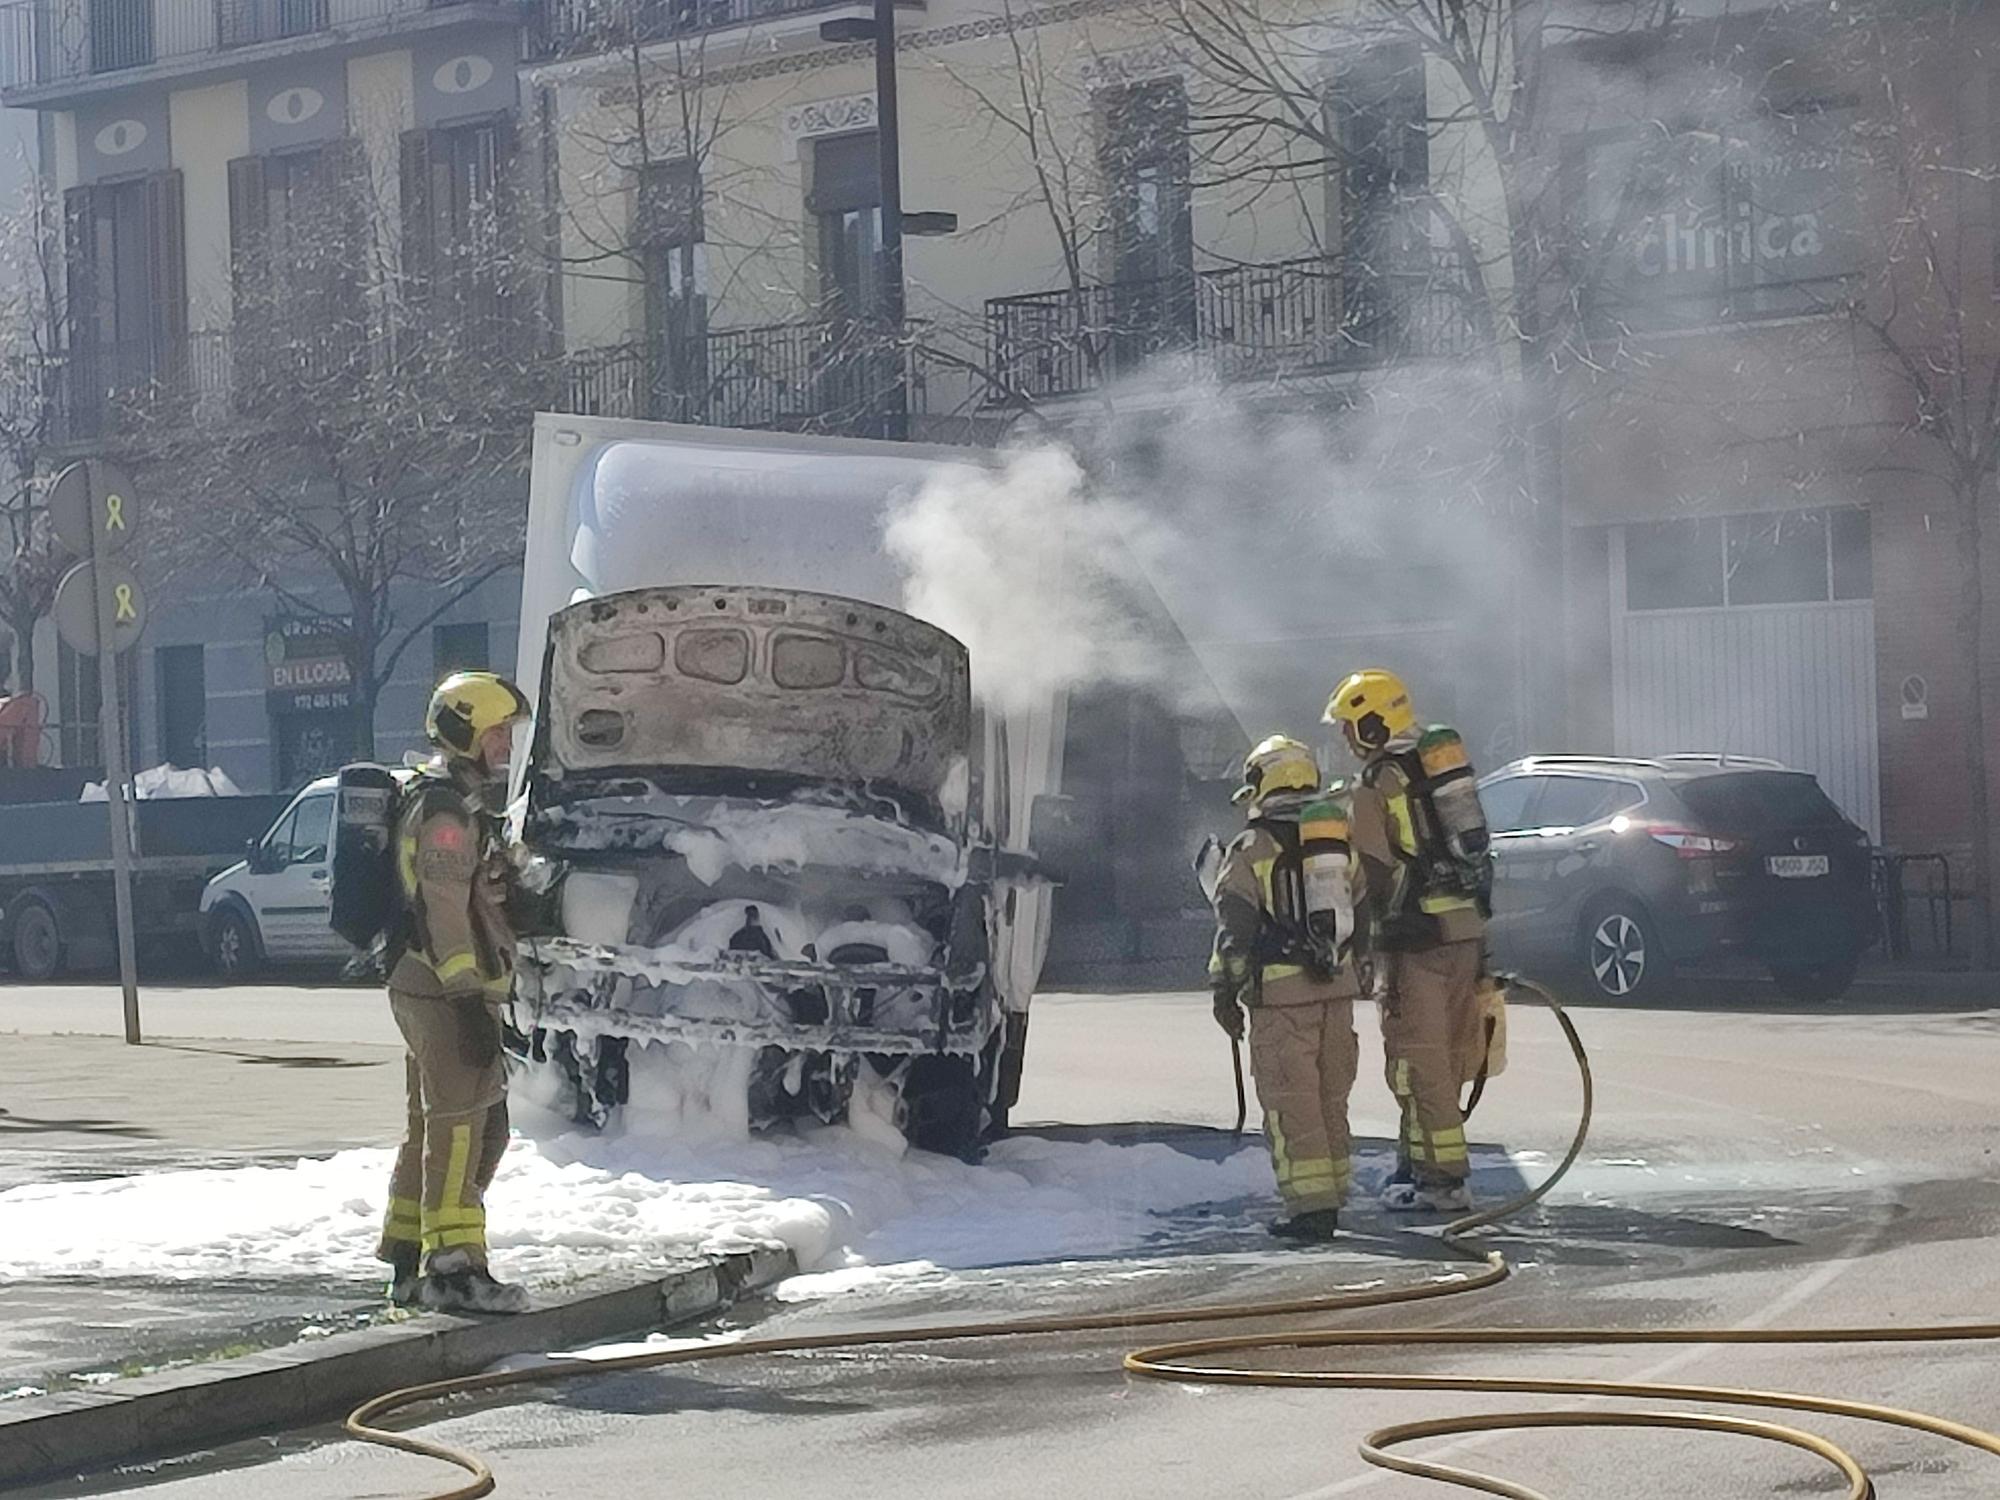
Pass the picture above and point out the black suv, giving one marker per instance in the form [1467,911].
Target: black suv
[1613,872]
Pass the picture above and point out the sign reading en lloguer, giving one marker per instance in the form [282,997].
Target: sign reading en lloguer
[306,667]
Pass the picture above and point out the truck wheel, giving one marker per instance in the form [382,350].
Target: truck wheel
[1000,1072]
[233,946]
[38,947]
[941,1097]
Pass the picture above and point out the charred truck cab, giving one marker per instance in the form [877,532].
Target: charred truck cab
[772,890]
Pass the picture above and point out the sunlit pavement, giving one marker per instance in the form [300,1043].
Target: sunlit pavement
[1751,1165]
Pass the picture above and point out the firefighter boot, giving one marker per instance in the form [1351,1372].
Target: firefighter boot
[1315,1226]
[455,1282]
[405,1274]
[1412,1195]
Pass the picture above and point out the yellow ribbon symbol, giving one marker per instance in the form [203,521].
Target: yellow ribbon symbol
[114,512]
[128,607]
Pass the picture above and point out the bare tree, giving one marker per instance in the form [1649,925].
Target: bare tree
[369,427]
[31,290]
[1928,311]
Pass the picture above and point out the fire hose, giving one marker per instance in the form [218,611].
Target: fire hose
[1199,1361]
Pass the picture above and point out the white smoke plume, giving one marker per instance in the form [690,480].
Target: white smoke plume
[1219,555]
[1034,572]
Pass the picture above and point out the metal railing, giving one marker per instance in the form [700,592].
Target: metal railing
[46,42]
[109,389]
[1295,317]
[579,28]
[837,377]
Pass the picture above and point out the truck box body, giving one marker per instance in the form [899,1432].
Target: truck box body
[783,826]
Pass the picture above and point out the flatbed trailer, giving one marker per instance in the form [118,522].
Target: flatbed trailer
[55,875]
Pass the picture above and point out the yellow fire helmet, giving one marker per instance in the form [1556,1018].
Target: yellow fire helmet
[466,705]
[1371,707]
[1279,764]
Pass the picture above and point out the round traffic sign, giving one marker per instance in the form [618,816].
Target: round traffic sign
[77,604]
[92,508]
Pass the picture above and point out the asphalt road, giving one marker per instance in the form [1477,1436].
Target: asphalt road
[1749,1168]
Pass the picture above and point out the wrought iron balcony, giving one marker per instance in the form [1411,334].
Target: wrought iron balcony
[580,28]
[831,377]
[52,47]
[1297,317]
[96,391]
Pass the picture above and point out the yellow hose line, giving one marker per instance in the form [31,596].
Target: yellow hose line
[1187,1361]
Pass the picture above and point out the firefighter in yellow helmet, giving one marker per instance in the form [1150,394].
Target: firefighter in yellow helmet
[1422,840]
[450,968]
[1284,916]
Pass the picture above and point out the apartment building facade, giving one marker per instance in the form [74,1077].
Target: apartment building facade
[174,134]
[1745,575]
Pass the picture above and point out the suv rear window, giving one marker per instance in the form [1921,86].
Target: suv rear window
[1751,801]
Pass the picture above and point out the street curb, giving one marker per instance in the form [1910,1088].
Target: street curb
[179,1411]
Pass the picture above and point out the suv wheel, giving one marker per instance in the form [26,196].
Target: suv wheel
[1816,984]
[1620,959]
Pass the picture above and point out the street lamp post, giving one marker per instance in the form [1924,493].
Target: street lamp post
[881,30]
[888,141]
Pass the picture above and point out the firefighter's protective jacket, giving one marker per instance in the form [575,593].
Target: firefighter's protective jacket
[1284,904]
[1419,832]
[457,939]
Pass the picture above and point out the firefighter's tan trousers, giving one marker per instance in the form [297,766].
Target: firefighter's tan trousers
[1429,1010]
[457,1130]
[1305,1056]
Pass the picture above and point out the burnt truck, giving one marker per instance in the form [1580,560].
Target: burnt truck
[783,855]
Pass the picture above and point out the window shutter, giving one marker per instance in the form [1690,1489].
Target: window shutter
[846,174]
[167,229]
[80,232]
[247,227]
[420,210]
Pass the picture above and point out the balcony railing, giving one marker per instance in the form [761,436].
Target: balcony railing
[52,42]
[795,377]
[1298,317]
[792,377]
[579,28]
[104,390]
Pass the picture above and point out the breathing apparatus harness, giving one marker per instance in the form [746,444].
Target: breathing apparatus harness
[1285,929]
[1452,859]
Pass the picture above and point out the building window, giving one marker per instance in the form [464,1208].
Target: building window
[670,240]
[121,34]
[1766,557]
[459,648]
[127,289]
[77,695]
[1144,158]
[846,203]
[1381,125]
[296,254]
[457,213]
[183,699]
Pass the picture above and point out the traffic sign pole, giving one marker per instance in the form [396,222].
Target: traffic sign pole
[112,601]
[100,609]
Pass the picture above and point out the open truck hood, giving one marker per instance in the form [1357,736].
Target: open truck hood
[754,680]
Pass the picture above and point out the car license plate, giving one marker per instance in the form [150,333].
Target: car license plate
[1796,866]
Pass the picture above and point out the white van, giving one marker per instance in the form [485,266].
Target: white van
[275,906]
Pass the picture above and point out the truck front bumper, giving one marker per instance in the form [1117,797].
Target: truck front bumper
[745,1000]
